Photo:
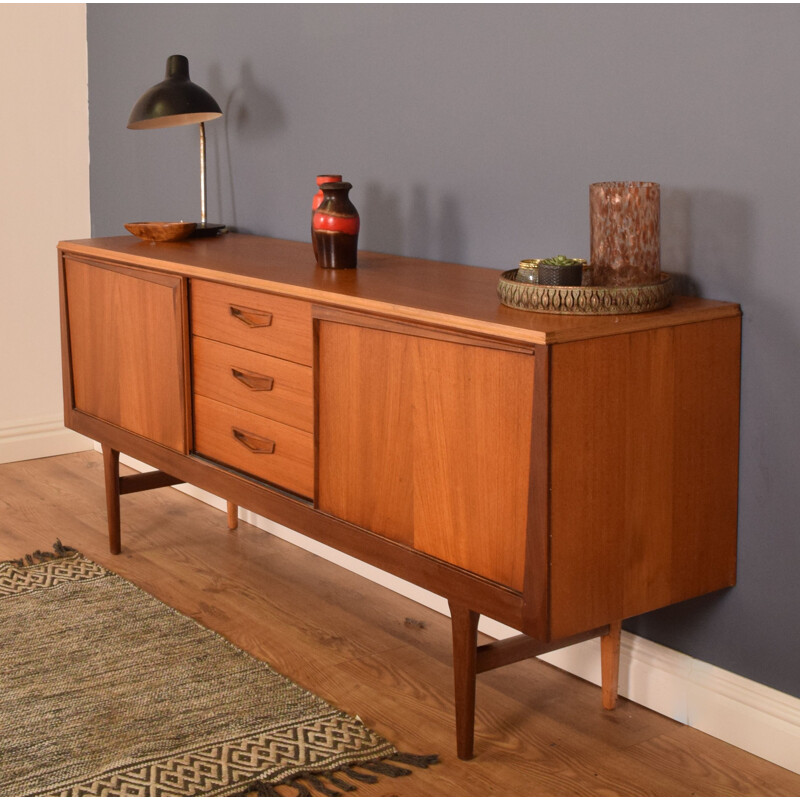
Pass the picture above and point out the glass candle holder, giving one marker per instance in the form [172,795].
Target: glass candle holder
[625,233]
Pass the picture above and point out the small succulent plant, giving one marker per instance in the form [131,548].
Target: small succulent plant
[562,261]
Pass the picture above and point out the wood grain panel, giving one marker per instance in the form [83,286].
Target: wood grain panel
[537,557]
[240,378]
[644,464]
[428,442]
[706,461]
[239,439]
[365,429]
[472,440]
[127,334]
[266,323]
[611,474]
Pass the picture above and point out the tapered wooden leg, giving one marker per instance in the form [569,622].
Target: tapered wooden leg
[111,467]
[233,516]
[609,664]
[465,653]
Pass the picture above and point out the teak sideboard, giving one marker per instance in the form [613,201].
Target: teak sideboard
[556,473]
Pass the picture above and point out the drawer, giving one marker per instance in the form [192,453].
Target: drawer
[268,386]
[266,449]
[266,323]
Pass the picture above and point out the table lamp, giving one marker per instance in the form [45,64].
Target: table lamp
[177,101]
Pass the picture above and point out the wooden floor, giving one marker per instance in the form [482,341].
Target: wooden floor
[539,731]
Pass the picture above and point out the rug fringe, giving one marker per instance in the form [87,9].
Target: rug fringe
[326,783]
[422,762]
[342,784]
[40,556]
[319,784]
[384,768]
[359,776]
[302,789]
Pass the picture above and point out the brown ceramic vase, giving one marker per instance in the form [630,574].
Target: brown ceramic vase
[317,200]
[335,226]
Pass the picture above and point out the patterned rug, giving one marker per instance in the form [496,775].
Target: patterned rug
[104,690]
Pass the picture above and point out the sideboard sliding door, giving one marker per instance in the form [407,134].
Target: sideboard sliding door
[427,441]
[128,346]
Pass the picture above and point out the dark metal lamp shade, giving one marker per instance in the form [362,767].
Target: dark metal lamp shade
[175,101]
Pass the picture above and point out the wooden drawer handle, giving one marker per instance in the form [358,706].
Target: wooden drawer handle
[255,444]
[252,380]
[252,317]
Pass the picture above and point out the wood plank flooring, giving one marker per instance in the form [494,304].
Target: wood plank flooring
[539,731]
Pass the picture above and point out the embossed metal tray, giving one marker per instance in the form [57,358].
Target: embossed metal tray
[584,299]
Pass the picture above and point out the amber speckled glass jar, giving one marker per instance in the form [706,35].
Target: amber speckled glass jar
[625,233]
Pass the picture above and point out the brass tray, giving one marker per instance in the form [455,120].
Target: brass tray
[584,299]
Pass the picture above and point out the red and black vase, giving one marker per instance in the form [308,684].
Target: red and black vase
[335,227]
[315,203]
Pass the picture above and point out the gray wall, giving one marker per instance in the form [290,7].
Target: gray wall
[472,133]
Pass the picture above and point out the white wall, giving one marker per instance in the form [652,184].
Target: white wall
[44,141]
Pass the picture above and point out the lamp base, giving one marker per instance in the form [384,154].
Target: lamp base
[205,229]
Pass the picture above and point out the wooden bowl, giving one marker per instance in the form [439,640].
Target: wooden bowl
[161,231]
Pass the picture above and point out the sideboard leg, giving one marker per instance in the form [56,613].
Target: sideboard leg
[233,516]
[609,664]
[465,653]
[111,468]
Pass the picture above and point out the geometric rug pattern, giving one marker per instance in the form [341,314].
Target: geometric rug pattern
[105,690]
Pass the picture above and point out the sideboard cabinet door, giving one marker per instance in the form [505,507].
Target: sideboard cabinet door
[427,442]
[127,346]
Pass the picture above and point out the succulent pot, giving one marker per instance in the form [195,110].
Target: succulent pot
[560,274]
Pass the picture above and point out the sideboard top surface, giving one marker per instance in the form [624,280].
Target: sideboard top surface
[433,292]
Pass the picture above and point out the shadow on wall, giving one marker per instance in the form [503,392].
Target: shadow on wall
[705,240]
[251,112]
[423,230]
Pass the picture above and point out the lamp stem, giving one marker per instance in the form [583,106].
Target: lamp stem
[202,174]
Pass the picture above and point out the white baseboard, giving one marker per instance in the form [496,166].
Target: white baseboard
[737,710]
[39,438]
